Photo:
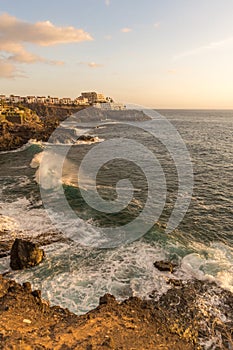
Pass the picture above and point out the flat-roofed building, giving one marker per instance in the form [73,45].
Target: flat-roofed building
[66,101]
[2,97]
[81,101]
[40,99]
[93,97]
[15,99]
[31,99]
[53,100]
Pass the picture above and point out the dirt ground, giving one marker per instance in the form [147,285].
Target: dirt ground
[28,322]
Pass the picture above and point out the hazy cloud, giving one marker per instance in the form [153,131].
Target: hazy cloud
[157,25]
[107,2]
[172,71]
[108,37]
[92,64]
[211,46]
[7,70]
[126,30]
[15,33]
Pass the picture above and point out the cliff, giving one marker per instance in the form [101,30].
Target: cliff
[53,111]
[38,125]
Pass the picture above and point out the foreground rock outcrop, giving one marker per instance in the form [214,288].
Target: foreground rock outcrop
[181,319]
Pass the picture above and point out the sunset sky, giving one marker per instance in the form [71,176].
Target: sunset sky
[157,53]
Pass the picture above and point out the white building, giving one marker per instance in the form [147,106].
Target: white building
[94,97]
[15,99]
[3,97]
[81,101]
[53,100]
[66,101]
[40,99]
[30,99]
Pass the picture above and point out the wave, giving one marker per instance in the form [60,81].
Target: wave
[75,276]
[30,143]
[19,218]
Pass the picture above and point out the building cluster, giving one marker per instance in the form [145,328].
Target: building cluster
[86,99]
[14,99]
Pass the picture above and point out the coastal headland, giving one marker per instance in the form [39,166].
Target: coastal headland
[40,123]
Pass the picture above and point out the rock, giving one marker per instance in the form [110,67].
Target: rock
[184,318]
[107,299]
[175,283]
[37,294]
[27,321]
[87,138]
[164,266]
[25,254]
[108,343]
[27,287]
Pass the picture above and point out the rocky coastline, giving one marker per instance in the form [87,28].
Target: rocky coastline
[178,320]
[192,314]
[13,136]
[48,117]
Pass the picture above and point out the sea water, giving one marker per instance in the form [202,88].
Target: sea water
[76,272]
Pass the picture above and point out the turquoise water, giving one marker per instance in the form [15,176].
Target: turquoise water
[75,273]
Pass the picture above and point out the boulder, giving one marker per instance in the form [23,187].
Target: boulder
[25,254]
[165,266]
[107,299]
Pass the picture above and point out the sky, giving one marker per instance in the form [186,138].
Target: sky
[155,53]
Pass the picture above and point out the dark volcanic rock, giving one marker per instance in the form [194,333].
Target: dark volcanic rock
[107,299]
[25,254]
[164,266]
[87,138]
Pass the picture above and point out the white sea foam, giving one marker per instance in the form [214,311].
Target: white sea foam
[17,217]
[7,223]
[36,160]
[49,175]
[77,277]
[213,262]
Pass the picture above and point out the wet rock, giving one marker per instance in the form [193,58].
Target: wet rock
[37,294]
[175,283]
[107,299]
[25,254]
[165,266]
[87,138]
[27,287]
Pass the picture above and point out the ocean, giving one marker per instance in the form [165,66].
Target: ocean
[88,250]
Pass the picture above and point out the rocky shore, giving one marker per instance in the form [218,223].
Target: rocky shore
[13,136]
[181,319]
[192,314]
